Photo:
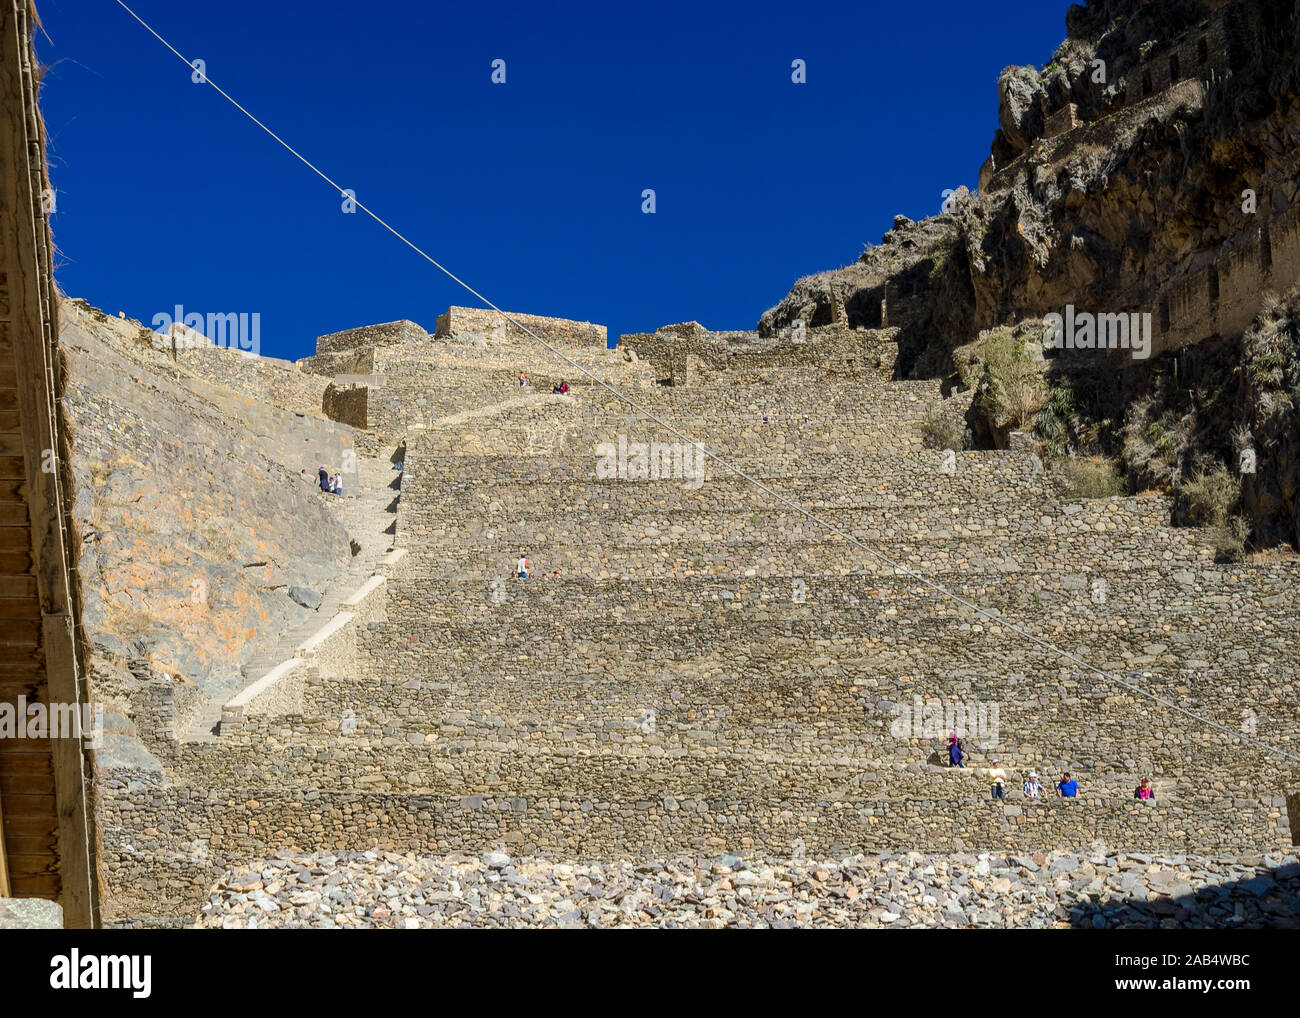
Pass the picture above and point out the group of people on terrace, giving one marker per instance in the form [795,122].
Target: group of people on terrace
[330,484]
[1066,788]
[558,388]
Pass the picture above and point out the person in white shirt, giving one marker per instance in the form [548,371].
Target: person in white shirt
[521,568]
[1032,788]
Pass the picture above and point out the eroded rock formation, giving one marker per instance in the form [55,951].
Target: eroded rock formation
[1148,167]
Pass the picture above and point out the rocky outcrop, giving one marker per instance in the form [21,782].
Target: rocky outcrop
[197,511]
[1269,434]
[1148,167]
[897,283]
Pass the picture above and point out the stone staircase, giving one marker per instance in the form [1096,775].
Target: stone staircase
[369,514]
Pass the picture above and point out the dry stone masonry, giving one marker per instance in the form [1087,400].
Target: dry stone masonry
[697,669]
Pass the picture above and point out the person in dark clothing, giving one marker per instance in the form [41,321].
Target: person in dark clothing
[956,755]
[323,478]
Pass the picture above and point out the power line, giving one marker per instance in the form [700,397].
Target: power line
[897,566]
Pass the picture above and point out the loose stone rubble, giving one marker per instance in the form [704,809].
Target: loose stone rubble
[1095,890]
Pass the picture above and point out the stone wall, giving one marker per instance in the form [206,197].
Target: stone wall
[331,650]
[1202,53]
[388,334]
[675,349]
[713,671]
[459,321]
[277,382]
[213,832]
[163,709]
[1222,298]
[346,404]
[411,380]
[349,361]
[1064,119]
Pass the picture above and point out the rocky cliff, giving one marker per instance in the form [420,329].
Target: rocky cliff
[195,516]
[1147,168]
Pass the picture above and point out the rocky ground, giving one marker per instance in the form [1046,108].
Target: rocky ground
[1056,890]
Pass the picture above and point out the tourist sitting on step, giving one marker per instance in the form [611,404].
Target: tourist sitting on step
[999,776]
[1144,790]
[522,568]
[560,388]
[956,755]
[1067,787]
[1032,788]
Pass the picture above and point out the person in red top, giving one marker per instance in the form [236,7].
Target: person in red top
[1144,790]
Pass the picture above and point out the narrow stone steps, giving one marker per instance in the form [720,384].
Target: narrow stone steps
[368,516]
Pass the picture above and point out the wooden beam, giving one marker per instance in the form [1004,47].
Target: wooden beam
[26,747]
[32,807]
[30,827]
[71,775]
[32,374]
[44,885]
[38,783]
[5,890]
[18,608]
[17,586]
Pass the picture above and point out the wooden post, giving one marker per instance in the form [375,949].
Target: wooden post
[4,861]
[25,247]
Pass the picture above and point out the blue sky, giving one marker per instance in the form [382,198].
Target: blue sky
[531,191]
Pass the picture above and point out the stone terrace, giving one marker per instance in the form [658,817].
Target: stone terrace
[698,668]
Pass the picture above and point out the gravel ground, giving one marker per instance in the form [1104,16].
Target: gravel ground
[1059,889]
